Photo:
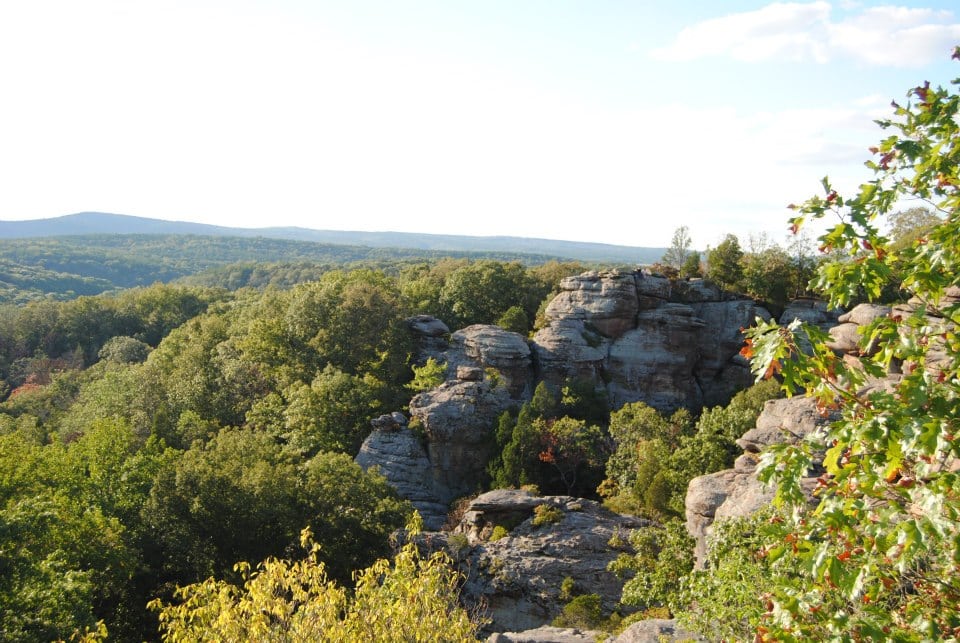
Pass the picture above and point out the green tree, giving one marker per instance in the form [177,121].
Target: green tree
[724,263]
[515,320]
[243,496]
[124,350]
[691,266]
[663,557]
[910,225]
[428,376]
[332,413]
[878,556]
[769,276]
[481,292]
[679,250]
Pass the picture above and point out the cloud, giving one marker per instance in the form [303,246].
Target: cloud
[881,36]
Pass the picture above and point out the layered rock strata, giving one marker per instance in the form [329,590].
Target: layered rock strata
[645,338]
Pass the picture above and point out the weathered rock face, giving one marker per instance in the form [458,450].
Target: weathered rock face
[458,419]
[567,349]
[403,461]
[656,630]
[646,338]
[845,337]
[655,361]
[607,300]
[650,631]
[737,492]
[721,371]
[547,634]
[518,577]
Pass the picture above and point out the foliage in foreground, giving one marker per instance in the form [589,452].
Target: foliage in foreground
[878,556]
[411,599]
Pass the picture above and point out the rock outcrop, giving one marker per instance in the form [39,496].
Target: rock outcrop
[737,492]
[656,630]
[518,577]
[635,336]
[486,346]
[457,418]
[649,631]
[547,634]
[402,460]
[810,311]
[646,338]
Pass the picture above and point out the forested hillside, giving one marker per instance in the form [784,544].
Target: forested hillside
[66,267]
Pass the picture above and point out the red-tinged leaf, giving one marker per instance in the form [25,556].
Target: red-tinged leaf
[874,150]
[747,350]
[774,368]
[794,229]
[867,245]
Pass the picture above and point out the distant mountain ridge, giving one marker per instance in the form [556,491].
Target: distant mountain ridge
[85,223]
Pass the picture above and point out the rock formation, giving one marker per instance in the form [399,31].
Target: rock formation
[646,338]
[518,578]
[736,492]
[484,346]
[457,418]
[649,631]
[810,311]
[636,336]
[399,455]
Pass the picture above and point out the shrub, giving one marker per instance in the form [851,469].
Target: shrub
[428,376]
[583,612]
[499,531]
[546,515]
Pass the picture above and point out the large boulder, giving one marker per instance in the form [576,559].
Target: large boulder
[567,349]
[656,630]
[810,311]
[548,634]
[429,336]
[488,346]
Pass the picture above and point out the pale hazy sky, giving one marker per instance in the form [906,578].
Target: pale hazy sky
[600,120]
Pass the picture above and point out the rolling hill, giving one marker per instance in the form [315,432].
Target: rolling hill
[98,223]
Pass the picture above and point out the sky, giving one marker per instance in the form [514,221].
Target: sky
[612,121]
